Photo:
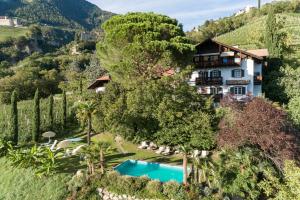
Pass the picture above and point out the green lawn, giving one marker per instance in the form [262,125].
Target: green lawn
[14,32]
[23,184]
[132,152]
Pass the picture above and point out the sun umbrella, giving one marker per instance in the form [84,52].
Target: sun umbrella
[49,135]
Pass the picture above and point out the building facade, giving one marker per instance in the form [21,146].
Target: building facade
[7,21]
[227,70]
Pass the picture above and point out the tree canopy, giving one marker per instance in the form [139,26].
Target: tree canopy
[140,46]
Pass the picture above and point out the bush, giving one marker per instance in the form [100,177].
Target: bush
[154,188]
[172,190]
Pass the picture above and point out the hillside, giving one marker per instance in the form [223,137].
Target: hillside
[63,13]
[6,32]
[250,36]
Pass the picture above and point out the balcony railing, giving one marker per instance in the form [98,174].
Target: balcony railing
[209,81]
[216,63]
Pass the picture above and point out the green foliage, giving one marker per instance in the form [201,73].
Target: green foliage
[50,112]
[25,117]
[154,188]
[288,189]
[57,13]
[64,110]
[274,37]
[139,46]
[14,118]
[5,146]
[174,190]
[27,186]
[36,117]
[294,110]
[41,159]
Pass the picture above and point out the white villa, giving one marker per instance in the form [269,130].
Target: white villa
[224,69]
[220,70]
[7,21]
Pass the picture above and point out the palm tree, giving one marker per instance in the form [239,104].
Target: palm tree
[84,112]
[103,147]
[185,151]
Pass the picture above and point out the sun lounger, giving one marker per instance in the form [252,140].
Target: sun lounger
[167,151]
[152,146]
[144,145]
[77,149]
[52,148]
[204,154]
[160,150]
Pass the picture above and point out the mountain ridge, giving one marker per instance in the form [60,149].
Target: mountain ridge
[61,13]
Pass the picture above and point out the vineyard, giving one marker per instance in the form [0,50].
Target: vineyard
[251,36]
[25,117]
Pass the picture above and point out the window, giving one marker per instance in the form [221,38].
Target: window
[214,58]
[215,90]
[197,59]
[215,73]
[238,90]
[206,58]
[238,73]
[203,74]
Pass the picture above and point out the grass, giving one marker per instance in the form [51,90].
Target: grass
[133,153]
[14,32]
[251,35]
[22,184]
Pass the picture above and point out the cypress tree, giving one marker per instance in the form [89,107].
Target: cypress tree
[64,109]
[36,117]
[50,112]
[14,118]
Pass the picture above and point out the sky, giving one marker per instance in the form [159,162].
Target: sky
[190,13]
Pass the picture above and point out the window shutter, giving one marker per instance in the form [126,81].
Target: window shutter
[219,73]
[243,73]
[232,73]
[243,90]
[211,74]
[232,90]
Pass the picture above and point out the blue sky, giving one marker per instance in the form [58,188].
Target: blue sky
[190,13]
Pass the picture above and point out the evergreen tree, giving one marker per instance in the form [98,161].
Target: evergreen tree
[64,113]
[259,4]
[50,112]
[36,117]
[14,118]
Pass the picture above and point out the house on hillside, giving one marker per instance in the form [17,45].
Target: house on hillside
[99,84]
[223,69]
[8,21]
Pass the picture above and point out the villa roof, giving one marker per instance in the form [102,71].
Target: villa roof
[99,82]
[260,52]
[247,53]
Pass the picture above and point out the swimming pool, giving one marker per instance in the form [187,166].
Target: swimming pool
[157,171]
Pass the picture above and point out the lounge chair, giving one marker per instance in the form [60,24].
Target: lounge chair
[52,148]
[77,149]
[144,145]
[160,150]
[167,151]
[204,154]
[196,153]
[152,146]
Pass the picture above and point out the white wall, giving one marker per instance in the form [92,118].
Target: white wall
[249,67]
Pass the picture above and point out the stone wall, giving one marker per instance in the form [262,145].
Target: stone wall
[106,195]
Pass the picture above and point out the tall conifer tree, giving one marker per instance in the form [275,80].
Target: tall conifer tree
[64,109]
[50,112]
[36,117]
[14,118]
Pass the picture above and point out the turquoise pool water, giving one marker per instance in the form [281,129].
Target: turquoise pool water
[157,171]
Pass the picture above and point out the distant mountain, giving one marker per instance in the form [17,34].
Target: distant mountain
[63,13]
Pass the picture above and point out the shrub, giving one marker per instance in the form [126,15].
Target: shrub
[171,189]
[154,188]
[140,183]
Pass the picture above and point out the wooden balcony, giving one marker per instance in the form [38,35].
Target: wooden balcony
[209,81]
[217,63]
[258,80]
[237,82]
